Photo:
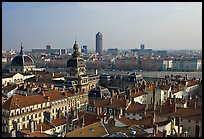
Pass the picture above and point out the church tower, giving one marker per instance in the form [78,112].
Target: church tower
[76,65]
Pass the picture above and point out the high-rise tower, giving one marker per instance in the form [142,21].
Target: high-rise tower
[99,43]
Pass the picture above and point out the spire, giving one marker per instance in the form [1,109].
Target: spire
[21,52]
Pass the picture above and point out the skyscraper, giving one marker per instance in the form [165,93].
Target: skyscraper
[99,43]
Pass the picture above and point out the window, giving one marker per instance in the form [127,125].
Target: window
[189,120]
[197,121]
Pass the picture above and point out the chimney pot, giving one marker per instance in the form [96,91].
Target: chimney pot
[110,100]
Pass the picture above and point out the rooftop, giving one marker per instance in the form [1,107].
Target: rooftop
[96,129]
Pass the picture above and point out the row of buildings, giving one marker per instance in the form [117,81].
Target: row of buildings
[77,104]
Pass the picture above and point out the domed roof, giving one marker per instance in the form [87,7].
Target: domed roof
[76,60]
[22,59]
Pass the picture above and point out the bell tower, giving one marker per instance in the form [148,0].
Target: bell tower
[76,65]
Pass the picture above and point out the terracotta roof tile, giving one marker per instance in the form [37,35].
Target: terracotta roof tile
[93,130]
[36,134]
[116,103]
[135,108]
[137,94]
[9,87]
[19,101]
[54,95]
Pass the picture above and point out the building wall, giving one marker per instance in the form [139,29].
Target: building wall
[159,97]
[189,125]
[141,99]
[135,116]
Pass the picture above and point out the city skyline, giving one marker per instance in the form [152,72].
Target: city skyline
[124,25]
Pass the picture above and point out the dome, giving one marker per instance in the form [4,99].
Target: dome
[22,60]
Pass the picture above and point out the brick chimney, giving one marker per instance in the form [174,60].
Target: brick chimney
[178,123]
[174,107]
[93,102]
[125,97]
[156,129]
[82,121]
[127,103]
[117,97]
[174,98]
[120,113]
[112,93]
[195,105]
[110,101]
[24,86]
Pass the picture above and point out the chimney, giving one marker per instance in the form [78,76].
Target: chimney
[52,87]
[120,112]
[118,91]
[117,97]
[93,102]
[160,108]
[172,87]
[156,129]
[82,121]
[154,105]
[112,93]
[96,72]
[125,97]
[47,97]
[178,123]
[197,130]
[104,119]
[195,105]
[127,102]
[24,86]
[174,107]
[110,101]
[175,99]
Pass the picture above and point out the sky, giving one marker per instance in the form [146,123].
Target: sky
[124,25]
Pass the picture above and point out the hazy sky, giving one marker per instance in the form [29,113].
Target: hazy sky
[125,25]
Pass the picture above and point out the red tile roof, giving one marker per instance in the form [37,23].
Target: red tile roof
[135,108]
[9,87]
[137,94]
[19,101]
[36,134]
[116,103]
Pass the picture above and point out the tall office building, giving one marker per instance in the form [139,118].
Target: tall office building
[99,43]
